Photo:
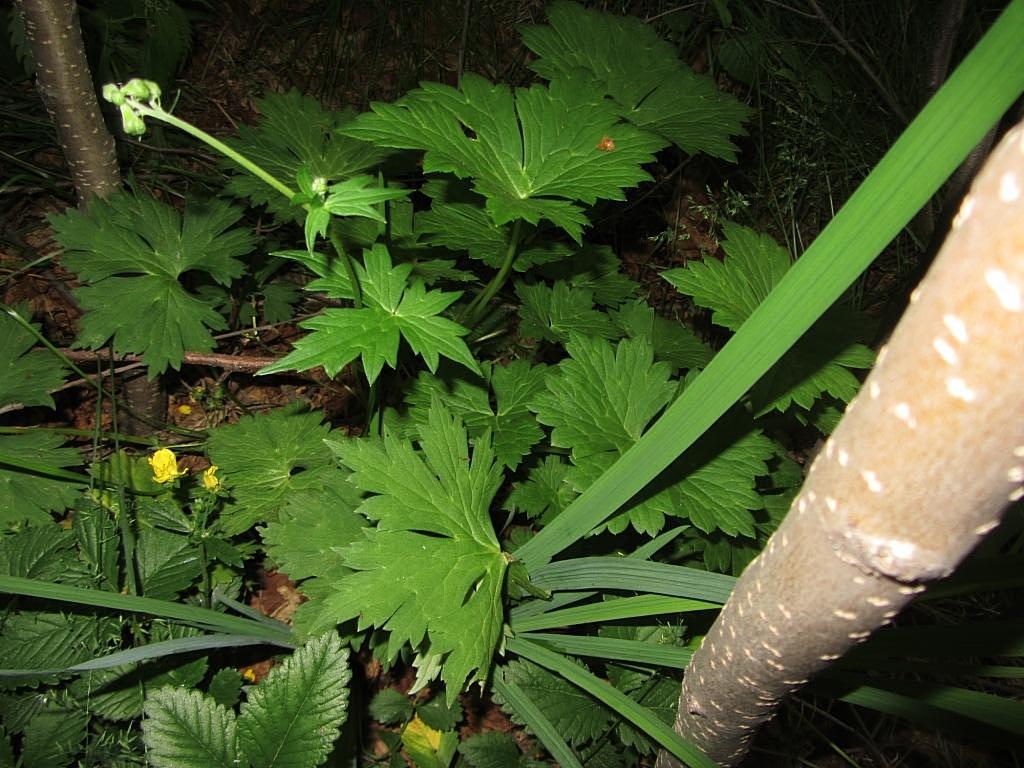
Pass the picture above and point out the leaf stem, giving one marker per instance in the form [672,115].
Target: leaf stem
[346,260]
[474,310]
[159,113]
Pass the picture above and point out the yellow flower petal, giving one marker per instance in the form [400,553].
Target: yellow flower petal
[165,466]
[210,480]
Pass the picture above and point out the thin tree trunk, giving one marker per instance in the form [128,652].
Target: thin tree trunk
[65,85]
[919,470]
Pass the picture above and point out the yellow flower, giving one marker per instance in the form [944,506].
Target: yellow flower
[210,480]
[185,409]
[165,466]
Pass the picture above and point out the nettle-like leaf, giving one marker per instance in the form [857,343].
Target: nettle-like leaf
[168,563]
[533,153]
[53,736]
[493,749]
[295,131]
[38,640]
[27,375]
[27,495]
[132,253]
[514,430]
[432,571]
[819,363]
[290,720]
[626,59]
[577,715]
[185,729]
[40,552]
[395,307]
[264,459]
[555,313]
[601,400]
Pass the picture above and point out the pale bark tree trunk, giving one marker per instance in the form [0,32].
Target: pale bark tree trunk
[919,470]
[65,85]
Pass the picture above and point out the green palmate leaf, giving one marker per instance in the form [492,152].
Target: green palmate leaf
[733,289]
[545,492]
[293,717]
[819,363]
[432,570]
[396,307]
[673,342]
[469,227]
[32,495]
[594,268]
[624,58]
[295,132]
[601,397]
[185,729]
[532,153]
[26,375]
[514,430]
[313,529]
[359,196]
[465,227]
[577,715]
[332,276]
[557,312]
[133,252]
[599,403]
[263,459]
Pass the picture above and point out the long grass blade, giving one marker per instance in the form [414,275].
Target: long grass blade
[524,708]
[203,618]
[611,610]
[604,573]
[147,652]
[614,649]
[641,717]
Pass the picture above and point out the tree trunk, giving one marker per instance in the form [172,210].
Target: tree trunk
[65,85]
[921,467]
